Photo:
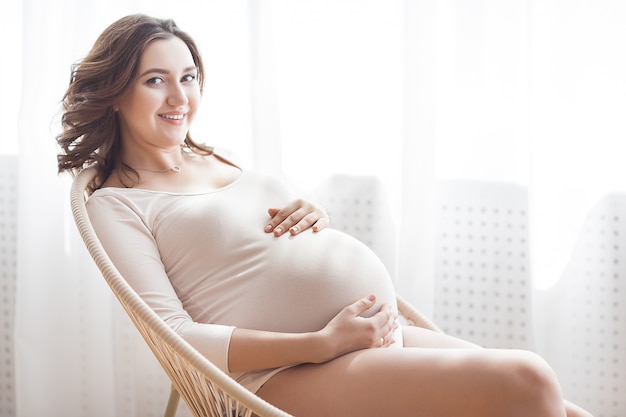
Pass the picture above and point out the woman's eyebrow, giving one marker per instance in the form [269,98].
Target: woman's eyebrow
[164,71]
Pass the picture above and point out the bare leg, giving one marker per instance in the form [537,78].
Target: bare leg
[417,337]
[425,381]
[430,382]
[573,410]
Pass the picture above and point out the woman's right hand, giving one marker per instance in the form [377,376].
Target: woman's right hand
[348,331]
[251,350]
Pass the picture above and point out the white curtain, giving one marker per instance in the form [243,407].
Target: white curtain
[527,95]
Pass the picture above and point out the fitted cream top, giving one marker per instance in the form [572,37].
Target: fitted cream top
[205,264]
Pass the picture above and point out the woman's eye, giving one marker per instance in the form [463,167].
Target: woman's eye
[189,78]
[155,81]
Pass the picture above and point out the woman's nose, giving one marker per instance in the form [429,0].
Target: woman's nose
[177,96]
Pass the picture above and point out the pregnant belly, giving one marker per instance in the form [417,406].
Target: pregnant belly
[304,281]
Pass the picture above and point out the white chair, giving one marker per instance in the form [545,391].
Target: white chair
[206,389]
[483,291]
[583,337]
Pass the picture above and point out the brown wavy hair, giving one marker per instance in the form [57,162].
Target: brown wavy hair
[91,132]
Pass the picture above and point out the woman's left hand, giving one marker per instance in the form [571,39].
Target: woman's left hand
[297,216]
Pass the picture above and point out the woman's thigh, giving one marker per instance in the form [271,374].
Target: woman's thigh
[418,337]
[414,382]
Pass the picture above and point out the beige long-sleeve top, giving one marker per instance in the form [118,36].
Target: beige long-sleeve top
[205,264]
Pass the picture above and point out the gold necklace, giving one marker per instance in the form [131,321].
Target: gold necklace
[174,168]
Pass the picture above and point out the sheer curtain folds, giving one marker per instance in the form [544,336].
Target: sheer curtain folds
[494,129]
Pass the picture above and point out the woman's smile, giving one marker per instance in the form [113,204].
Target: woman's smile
[174,118]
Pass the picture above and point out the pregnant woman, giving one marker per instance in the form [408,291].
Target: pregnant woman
[297,312]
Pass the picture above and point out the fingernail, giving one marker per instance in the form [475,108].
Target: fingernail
[268,228]
[278,231]
[294,230]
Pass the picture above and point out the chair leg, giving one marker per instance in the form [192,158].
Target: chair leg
[172,403]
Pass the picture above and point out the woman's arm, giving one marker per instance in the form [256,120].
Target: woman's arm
[125,236]
[251,350]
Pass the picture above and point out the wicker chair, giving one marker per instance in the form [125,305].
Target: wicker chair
[206,389]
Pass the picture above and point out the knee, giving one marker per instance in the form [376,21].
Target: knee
[533,386]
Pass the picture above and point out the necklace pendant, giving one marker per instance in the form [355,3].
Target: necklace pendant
[175,168]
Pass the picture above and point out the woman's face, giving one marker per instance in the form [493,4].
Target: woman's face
[161,104]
